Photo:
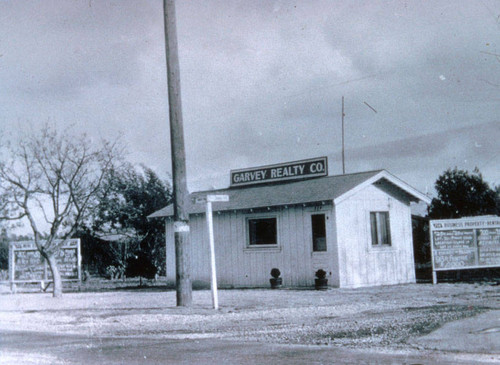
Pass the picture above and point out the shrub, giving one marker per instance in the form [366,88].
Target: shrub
[275,273]
[140,266]
[321,274]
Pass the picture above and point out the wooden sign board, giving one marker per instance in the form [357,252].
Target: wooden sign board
[466,243]
[27,265]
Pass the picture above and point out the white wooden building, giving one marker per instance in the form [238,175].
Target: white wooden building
[357,227]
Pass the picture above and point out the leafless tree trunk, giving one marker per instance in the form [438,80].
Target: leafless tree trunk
[56,276]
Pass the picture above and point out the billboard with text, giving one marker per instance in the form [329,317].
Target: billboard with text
[27,265]
[465,243]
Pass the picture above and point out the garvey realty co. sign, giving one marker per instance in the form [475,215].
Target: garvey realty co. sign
[286,171]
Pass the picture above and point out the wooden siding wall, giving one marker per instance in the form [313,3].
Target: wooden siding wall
[241,266]
[360,263]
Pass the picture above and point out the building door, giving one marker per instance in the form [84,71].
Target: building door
[320,256]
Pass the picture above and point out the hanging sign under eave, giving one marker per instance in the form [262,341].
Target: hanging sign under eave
[294,170]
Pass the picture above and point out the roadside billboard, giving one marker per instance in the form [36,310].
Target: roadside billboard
[465,243]
[27,265]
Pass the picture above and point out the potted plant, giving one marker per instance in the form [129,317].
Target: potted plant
[275,281]
[321,282]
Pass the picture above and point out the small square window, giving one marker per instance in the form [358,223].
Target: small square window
[380,228]
[262,231]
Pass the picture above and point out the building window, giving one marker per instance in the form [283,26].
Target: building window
[318,232]
[262,231]
[381,233]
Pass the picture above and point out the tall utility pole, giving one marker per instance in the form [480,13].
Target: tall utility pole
[180,193]
[343,146]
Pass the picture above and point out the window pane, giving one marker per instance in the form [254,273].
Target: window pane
[380,228]
[262,231]
[373,225]
[384,228]
[318,232]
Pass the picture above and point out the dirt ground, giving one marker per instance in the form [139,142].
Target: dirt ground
[385,317]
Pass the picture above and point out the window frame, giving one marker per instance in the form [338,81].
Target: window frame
[251,246]
[376,232]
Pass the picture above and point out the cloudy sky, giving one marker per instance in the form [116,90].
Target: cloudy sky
[262,81]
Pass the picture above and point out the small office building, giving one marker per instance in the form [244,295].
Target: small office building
[357,227]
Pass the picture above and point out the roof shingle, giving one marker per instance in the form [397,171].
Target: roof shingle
[277,194]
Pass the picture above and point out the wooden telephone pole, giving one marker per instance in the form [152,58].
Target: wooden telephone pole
[180,193]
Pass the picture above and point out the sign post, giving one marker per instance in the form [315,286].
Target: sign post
[213,279]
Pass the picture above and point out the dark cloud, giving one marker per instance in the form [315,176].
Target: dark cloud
[262,81]
[60,49]
[475,141]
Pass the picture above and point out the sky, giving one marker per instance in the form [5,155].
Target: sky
[262,82]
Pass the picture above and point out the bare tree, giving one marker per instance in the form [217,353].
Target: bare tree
[52,179]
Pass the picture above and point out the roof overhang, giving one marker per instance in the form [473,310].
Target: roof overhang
[412,193]
[321,190]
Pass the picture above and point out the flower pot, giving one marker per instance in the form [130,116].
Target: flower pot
[321,284]
[276,282]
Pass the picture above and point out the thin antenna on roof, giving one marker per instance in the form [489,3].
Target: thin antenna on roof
[343,139]
[343,146]
[369,106]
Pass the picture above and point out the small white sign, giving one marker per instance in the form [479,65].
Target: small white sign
[181,227]
[212,198]
[218,198]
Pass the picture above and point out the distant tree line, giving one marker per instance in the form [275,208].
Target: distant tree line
[463,194]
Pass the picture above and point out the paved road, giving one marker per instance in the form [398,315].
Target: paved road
[43,348]
[479,334]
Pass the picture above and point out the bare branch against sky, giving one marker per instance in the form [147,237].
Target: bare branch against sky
[263,81]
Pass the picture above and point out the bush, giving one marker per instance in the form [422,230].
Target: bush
[321,274]
[140,265]
[113,272]
[4,275]
[275,273]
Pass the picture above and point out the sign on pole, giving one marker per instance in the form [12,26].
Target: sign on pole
[217,198]
[209,199]
[212,198]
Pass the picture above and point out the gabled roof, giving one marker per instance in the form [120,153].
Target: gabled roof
[330,188]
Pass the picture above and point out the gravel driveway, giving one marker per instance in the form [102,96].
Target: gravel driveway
[382,317]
